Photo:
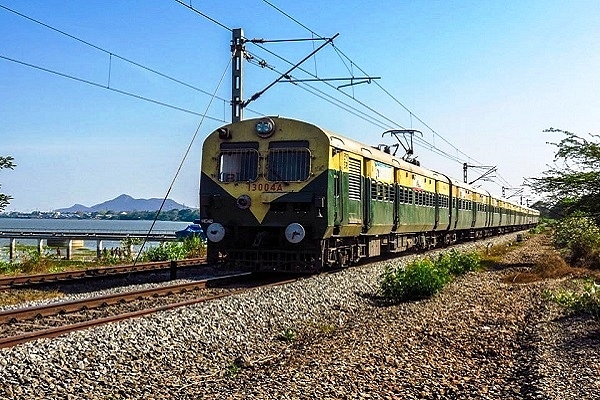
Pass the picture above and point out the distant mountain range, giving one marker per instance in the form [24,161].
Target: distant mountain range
[126,203]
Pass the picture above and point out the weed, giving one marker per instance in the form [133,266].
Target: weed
[586,300]
[194,246]
[419,279]
[327,329]
[233,370]
[457,263]
[579,237]
[165,251]
[425,277]
[8,267]
[288,335]
[56,268]
[11,296]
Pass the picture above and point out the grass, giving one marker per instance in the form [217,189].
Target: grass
[233,370]
[14,296]
[288,335]
[584,299]
[548,266]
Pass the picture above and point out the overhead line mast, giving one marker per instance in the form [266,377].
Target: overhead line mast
[237,74]
[238,51]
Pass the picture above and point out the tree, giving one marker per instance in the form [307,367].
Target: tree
[5,162]
[573,183]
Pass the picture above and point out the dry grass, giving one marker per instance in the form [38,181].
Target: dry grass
[18,296]
[492,256]
[548,265]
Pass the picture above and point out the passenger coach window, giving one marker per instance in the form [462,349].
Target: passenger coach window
[288,161]
[238,162]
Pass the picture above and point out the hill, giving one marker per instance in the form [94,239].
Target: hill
[125,202]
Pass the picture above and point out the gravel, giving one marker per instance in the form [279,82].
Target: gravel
[96,287]
[328,337]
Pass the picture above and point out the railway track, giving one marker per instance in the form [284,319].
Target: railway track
[21,281]
[26,324]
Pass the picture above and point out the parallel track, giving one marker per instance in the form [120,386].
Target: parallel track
[19,281]
[37,315]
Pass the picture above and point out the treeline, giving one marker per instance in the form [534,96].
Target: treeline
[187,215]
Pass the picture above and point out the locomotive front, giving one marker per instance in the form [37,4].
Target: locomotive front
[263,190]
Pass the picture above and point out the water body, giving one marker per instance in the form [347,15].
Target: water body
[83,225]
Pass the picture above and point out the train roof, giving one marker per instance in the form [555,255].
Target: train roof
[354,146]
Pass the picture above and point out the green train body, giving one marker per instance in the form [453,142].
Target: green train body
[282,194]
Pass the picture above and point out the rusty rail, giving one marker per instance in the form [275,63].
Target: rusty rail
[57,331]
[77,305]
[7,282]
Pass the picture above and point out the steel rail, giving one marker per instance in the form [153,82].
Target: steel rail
[57,331]
[28,313]
[7,282]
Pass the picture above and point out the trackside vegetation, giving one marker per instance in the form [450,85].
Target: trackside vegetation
[30,261]
[585,299]
[571,196]
[425,277]
[577,238]
[170,251]
[6,162]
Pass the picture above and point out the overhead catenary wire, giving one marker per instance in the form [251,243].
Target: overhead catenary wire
[112,89]
[390,121]
[112,55]
[214,21]
[412,114]
[372,120]
[360,114]
[366,117]
[393,123]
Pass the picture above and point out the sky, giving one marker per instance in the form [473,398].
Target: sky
[103,98]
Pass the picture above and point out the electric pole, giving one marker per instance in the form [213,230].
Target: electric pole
[237,74]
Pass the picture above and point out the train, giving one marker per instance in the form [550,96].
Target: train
[280,194]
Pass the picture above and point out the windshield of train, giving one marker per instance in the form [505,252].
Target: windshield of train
[288,161]
[238,162]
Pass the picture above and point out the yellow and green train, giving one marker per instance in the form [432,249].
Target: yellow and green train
[282,194]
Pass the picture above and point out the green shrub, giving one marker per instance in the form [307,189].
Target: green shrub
[543,225]
[586,300]
[168,251]
[458,264]
[580,237]
[288,335]
[194,246]
[233,370]
[419,279]
[425,277]
[8,267]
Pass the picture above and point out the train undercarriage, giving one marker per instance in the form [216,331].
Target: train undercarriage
[338,252]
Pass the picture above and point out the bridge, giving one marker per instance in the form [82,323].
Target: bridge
[65,238]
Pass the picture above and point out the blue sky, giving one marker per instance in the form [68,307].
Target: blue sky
[486,76]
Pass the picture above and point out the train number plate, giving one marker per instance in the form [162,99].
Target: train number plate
[265,187]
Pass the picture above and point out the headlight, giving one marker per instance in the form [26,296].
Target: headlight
[265,127]
[215,232]
[294,233]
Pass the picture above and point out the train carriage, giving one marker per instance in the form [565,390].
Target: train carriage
[283,194]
